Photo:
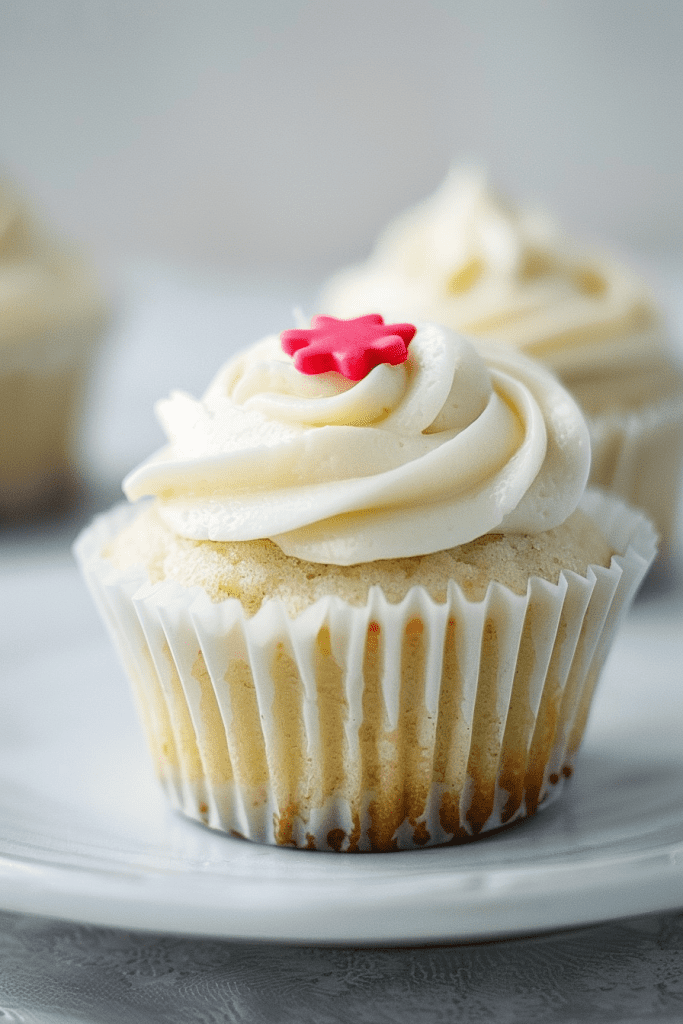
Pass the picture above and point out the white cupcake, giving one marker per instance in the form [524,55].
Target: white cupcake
[52,315]
[366,614]
[468,259]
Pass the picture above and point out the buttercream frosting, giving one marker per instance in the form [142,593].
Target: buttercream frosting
[467,258]
[418,457]
[43,285]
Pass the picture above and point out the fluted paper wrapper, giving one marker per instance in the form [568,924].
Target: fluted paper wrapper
[639,456]
[382,727]
[42,383]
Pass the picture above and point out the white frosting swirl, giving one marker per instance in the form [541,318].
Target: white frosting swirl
[414,458]
[43,287]
[468,259]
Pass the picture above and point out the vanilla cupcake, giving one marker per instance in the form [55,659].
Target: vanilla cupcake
[368,604]
[468,259]
[51,316]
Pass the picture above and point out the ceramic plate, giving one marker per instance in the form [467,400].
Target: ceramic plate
[85,834]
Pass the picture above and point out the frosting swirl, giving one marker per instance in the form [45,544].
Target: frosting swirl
[43,284]
[469,259]
[449,445]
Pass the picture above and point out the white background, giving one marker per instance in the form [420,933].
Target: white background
[247,134]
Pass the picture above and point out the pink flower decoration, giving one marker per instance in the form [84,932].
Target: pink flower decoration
[351,347]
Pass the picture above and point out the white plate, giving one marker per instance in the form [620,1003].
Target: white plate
[86,835]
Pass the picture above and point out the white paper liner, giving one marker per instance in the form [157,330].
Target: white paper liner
[43,379]
[638,455]
[387,726]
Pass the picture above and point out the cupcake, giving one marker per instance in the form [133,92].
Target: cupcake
[362,595]
[468,259]
[51,315]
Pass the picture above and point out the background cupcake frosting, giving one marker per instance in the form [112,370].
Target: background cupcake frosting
[470,257]
[44,286]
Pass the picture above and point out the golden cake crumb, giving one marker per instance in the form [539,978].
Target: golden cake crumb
[253,571]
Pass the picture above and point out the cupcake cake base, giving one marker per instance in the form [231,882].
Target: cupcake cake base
[377,726]
[37,414]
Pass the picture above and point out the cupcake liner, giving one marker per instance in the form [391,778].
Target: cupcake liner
[36,425]
[639,456]
[386,726]
[42,384]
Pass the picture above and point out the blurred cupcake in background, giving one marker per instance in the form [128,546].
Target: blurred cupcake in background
[469,259]
[52,314]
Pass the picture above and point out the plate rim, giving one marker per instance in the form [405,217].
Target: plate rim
[486,905]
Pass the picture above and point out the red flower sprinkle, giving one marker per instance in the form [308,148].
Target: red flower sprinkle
[351,347]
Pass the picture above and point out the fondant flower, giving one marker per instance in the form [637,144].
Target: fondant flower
[351,347]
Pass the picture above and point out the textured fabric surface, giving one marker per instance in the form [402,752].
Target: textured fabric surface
[619,973]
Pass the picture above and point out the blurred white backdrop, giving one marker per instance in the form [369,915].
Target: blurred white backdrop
[250,134]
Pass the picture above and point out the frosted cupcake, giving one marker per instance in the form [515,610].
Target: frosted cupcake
[51,315]
[468,259]
[368,604]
